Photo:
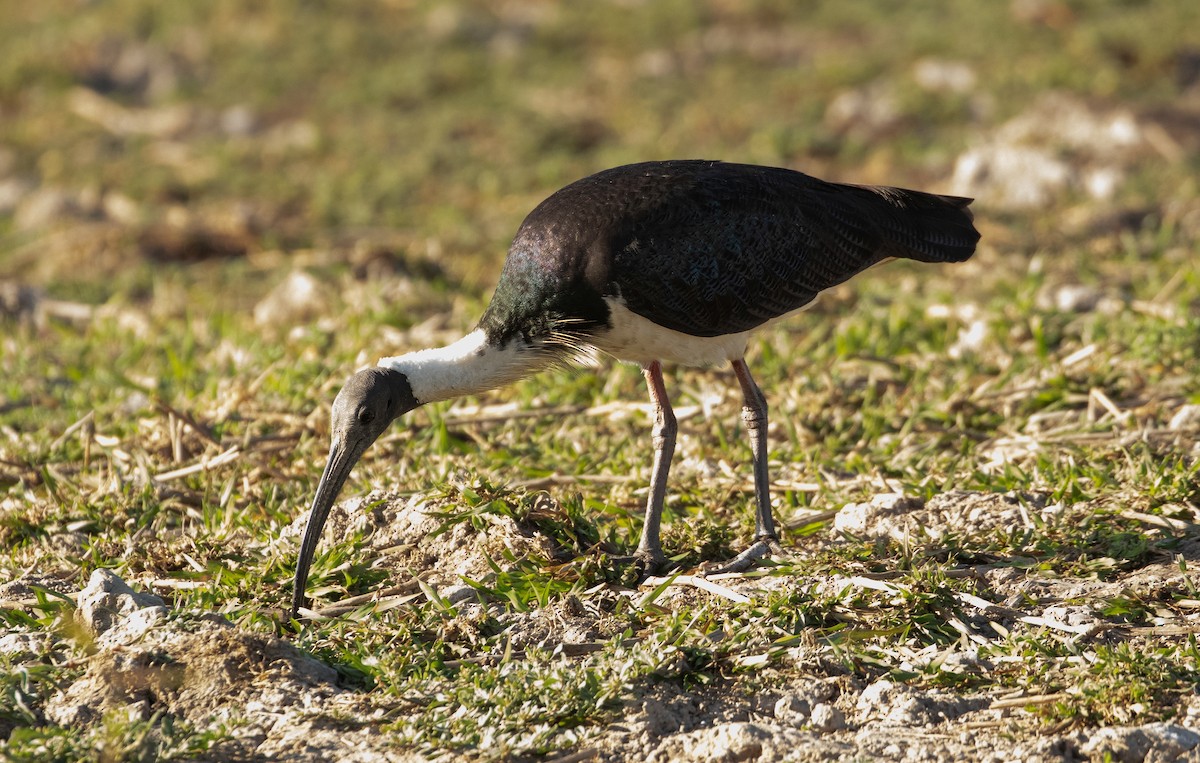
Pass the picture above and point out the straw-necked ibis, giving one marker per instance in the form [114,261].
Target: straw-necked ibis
[661,262]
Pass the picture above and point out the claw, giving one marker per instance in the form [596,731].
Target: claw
[760,549]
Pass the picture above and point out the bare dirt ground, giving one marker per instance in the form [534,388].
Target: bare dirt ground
[280,703]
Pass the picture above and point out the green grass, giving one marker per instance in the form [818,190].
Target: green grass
[395,148]
[116,737]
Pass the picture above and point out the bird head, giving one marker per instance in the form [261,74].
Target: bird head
[363,410]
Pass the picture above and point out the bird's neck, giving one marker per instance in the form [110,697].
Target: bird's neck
[468,367]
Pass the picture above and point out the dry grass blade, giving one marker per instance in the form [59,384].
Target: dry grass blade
[204,432]
[204,465]
[576,757]
[1159,630]
[1170,523]
[1032,699]
[379,604]
[746,486]
[803,518]
[180,585]
[30,602]
[1096,397]
[570,479]
[697,581]
[404,592]
[988,607]
[563,649]
[87,420]
[1083,629]
[862,581]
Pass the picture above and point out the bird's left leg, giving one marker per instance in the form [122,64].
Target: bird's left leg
[649,557]
[754,416]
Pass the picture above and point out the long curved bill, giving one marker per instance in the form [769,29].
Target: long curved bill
[337,469]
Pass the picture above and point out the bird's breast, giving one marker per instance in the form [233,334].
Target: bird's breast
[633,338]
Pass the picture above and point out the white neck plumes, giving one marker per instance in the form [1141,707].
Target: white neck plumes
[467,367]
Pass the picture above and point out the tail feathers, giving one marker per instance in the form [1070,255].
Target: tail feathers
[959,202]
[928,227]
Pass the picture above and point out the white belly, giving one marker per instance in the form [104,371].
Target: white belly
[638,340]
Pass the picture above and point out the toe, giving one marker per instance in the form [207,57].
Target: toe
[760,549]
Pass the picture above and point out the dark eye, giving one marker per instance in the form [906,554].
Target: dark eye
[365,416]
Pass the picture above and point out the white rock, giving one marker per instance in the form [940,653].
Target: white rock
[19,647]
[133,627]
[970,339]
[44,206]
[121,208]
[297,298]
[827,717]
[941,75]
[1132,744]
[107,600]
[724,743]
[1072,616]
[12,191]
[872,109]
[793,710]
[1058,144]
[239,121]
[460,594]
[1169,740]
[1010,177]
[1077,298]
[1187,417]
[868,516]
[876,696]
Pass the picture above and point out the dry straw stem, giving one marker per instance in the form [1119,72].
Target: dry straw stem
[696,581]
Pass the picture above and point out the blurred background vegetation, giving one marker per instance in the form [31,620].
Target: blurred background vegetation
[177,132]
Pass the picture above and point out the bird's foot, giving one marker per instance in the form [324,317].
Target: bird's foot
[761,548]
[640,565]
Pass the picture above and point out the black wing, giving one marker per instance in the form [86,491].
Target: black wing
[713,249]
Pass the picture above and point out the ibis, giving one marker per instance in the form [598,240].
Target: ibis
[660,262]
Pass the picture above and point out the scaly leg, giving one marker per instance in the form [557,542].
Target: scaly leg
[649,552]
[754,415]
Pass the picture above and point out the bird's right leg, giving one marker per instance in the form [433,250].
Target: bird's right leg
[649,554]
[754,416]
